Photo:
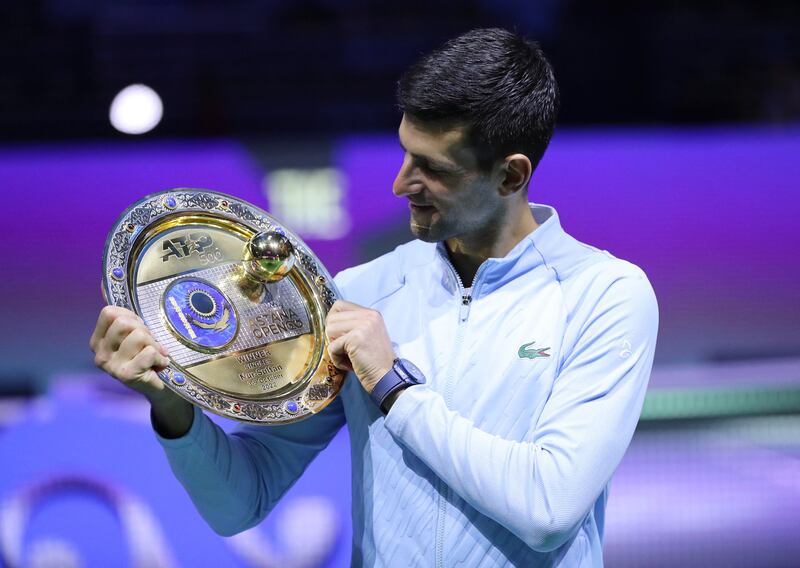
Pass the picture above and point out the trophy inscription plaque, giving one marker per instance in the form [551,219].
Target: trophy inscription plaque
[238,300]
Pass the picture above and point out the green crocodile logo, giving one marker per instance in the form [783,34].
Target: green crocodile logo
[525,353]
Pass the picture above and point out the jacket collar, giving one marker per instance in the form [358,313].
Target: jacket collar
[547,247]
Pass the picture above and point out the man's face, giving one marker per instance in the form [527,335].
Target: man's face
[449,196]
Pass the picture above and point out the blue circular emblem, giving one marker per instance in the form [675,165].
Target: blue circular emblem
[200,314]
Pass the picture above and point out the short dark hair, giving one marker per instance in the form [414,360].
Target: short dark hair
[495,82]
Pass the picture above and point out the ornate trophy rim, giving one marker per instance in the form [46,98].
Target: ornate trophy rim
[131,229]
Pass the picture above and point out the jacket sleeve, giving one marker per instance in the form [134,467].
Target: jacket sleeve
[542,490]
[235,479]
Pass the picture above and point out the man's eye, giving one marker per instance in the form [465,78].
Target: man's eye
[432,169]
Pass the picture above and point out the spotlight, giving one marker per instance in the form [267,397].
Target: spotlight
[136,109]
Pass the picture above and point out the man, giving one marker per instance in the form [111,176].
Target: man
[499,365]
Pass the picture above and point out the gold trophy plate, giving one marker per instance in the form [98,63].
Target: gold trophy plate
[237,298]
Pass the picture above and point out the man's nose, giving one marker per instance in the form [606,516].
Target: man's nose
[406,182]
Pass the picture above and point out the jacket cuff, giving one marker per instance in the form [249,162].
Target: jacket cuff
[191,437]
[404,407]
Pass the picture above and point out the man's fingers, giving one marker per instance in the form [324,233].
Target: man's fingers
[342,322]
[336,349]
[149,358]
[136,341]
[126,349]
[119,330]
[350,315]
[345,322]
[132,343]
[107,316]
[337,328]
[104,320]
[138,368]
[343,306]
[141,378]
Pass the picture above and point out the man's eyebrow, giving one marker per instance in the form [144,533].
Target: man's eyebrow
[439,164]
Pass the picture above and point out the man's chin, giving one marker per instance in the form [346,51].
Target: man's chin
[418,231]
[425,233]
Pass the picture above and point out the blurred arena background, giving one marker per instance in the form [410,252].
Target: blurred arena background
[678,148]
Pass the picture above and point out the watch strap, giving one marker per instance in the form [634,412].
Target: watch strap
[388,384]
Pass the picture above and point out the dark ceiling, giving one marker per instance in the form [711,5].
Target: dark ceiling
[270,68]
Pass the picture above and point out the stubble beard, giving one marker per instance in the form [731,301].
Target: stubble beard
[433,232]
[422,232]
[458,226]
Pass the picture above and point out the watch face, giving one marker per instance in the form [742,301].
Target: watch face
[412,372]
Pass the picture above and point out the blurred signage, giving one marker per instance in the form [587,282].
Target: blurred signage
[309,201]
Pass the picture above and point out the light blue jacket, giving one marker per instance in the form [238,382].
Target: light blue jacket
[535,386]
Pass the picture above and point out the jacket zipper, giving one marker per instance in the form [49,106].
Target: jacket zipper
[463,314]
[466,301]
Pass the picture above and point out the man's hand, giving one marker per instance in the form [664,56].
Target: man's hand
[359,342]
[124,348]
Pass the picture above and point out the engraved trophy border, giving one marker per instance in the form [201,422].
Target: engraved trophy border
[323,386]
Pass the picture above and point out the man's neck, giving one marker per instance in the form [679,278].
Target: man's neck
[468,252]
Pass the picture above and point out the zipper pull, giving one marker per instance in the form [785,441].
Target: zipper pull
[466,300]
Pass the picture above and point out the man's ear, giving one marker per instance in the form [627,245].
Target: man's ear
[517,170]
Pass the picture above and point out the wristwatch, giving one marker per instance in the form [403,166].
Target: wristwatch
[403,374]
